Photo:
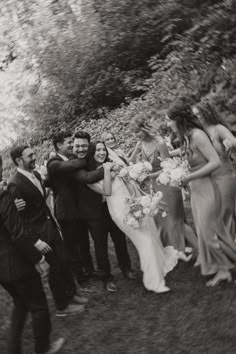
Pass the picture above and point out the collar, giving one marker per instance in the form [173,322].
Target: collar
[64,158]
[25,173]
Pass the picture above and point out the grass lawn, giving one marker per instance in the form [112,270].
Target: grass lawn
[190,319]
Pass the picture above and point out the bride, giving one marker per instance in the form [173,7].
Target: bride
[155,260]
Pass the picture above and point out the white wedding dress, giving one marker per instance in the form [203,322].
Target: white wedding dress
[155,260]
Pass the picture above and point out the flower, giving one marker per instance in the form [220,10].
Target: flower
[146,211]
[173,171]
[132,222]
[163,178]
[145,201]
[140,207]
[148,165]
[138,213]
[123,172]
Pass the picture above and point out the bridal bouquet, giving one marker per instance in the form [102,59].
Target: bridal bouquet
[137,172]
[140,207]
[173,170]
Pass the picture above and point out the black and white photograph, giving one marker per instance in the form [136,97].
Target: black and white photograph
[118,177]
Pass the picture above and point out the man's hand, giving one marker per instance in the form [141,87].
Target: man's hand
[43,268]
[20,204]
[42,247]
[3,185]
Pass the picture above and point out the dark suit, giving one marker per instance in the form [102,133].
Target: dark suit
[20,279]
[94,212]
[40,224]
[64,176]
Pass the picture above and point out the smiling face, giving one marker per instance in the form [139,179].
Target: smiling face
[110,140]
[27,160]
[66,147]
[100,153]
[81,147]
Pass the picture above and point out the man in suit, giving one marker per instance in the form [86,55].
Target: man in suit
[44,229]
[20,267]
[65,171]
[92,211]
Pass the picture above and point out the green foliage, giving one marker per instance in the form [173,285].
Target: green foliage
[67,61]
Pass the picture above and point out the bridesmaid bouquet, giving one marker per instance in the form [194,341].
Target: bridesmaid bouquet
[140,207]
[173,170]
[137,172]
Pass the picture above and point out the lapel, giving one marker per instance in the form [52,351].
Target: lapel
[30,186]
[37,175]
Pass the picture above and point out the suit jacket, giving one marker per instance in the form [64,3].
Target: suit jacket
[90,203]
[37,218]
[17,252]
[64,178]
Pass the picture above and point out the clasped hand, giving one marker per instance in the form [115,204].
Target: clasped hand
[42,268]
[42,247]
[108,165]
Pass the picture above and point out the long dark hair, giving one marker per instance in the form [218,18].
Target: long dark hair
[92,163]
[181,112]
[209,114]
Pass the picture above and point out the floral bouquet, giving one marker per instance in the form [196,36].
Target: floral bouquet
[137,172]
[173,170]
[140,207]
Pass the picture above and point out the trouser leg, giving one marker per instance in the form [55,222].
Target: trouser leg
[119,240]
[96,228]
[71,234]
[84,246]
[61,278]
[28,296]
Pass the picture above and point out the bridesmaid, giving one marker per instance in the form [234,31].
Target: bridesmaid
[115,154]
[222,139]
[217,251]
[173,229]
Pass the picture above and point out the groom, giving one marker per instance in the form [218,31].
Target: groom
[90,210]
[65,171]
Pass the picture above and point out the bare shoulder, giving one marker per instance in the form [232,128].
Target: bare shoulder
[221,128]
[199,136]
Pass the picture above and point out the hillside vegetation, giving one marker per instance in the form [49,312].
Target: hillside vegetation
[63,62]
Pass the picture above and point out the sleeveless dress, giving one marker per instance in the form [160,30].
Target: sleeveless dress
[155,260]
[173,229]
[224,176]
[217,251]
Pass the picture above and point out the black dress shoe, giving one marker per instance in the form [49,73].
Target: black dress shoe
[130,274]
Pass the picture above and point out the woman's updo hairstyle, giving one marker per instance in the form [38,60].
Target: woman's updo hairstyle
[142,123]
[181,113]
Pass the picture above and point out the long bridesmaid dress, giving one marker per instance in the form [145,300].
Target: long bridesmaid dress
[225,179]
[173,229]
[217,251]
